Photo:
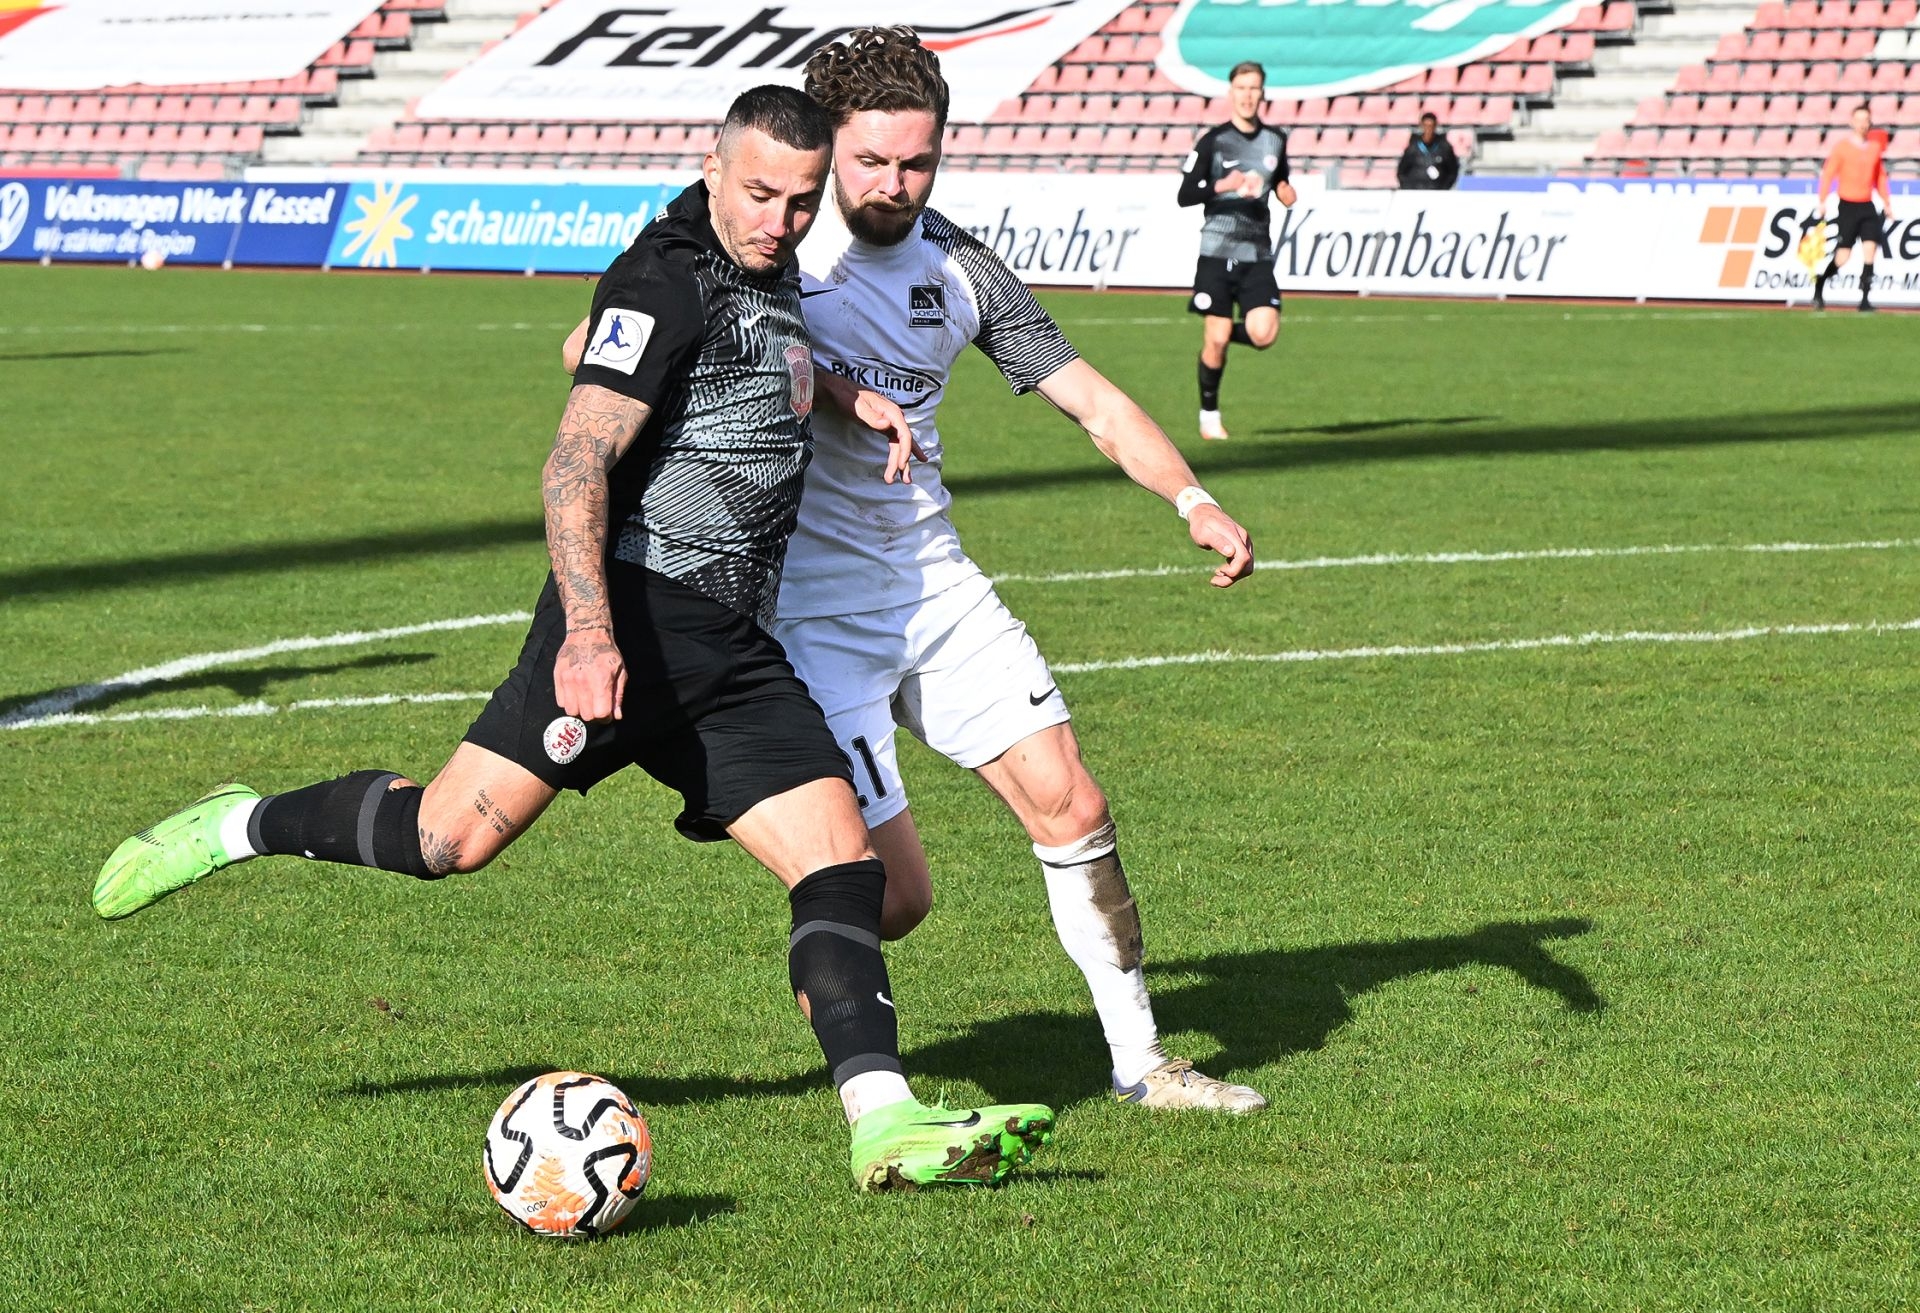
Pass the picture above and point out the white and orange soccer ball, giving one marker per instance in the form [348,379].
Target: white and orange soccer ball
[567,1155]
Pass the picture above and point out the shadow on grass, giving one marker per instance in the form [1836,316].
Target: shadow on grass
[1445,436]
[655,1212]
[265,558]
[247,685]
[1839,422]
[22,356]
[1260,1007]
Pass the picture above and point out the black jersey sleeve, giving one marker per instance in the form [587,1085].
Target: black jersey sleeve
[1280,171]
[645,329]
[1196,172]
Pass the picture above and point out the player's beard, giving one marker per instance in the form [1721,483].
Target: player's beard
[873,224]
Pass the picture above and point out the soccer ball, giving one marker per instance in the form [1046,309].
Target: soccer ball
[567,1155]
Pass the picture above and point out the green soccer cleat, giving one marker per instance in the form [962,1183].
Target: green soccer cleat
[906,1145]
[168,855]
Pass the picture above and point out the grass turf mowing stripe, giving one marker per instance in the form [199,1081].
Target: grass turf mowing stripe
[1298,655]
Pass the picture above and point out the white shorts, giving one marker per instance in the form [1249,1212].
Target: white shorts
[957,670]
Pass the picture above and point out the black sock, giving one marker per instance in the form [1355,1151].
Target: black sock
[1210,385]
[1866,281]
[358,819]
[1820,281]
[1239,333]
[834,959]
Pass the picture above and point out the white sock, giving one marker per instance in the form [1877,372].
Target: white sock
[870,1090]
[233,833]
[1209,417]
[1098,925]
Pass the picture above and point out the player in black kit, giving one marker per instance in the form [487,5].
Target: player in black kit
[672,488]
[1232,171]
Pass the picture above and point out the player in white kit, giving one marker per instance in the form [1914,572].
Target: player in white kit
[880,610]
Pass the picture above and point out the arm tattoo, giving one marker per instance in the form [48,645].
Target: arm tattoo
[440,855]
[598,427]
[491,812]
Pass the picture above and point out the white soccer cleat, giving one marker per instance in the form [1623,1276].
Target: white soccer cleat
[1175,1084]
[1210,426]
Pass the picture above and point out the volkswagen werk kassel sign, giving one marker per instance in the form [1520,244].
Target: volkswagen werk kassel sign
[1330,47]
[599,61]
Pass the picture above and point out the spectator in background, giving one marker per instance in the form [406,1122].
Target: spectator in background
[1428,163]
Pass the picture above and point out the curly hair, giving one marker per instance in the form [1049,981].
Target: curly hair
[883,68]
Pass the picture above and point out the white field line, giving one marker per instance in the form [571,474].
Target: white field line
[59,707]
[23,330]
[1439,317]
[555,326]
[1299,655]
[242,709]
[1492,645]
[41,710]
[1470,558]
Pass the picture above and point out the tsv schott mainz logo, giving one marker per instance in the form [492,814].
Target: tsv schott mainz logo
[1329,47]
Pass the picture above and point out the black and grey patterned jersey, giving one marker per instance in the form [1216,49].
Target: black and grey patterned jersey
[1238,225]
[709,490]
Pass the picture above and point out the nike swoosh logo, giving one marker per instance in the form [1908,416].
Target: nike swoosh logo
[884,999]
[1038,698]
[818,291]
[974,1120]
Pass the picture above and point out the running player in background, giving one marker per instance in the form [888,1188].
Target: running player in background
[1232,171]
[670,493]
[1856,168]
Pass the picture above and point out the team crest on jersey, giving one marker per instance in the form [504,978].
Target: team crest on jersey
[800,370]
[926,305]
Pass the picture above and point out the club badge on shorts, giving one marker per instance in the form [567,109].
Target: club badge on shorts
[565,739]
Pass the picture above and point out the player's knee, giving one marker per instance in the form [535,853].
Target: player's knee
[1076,810]
[453,844]
[1262,338]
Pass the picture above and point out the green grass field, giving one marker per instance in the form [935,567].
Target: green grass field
[1580,975]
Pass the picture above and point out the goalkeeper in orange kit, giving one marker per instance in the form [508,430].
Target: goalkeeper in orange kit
[1856,168]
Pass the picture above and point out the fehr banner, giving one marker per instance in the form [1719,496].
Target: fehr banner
[596,61]
[83,45]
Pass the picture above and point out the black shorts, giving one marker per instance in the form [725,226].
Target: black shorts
[1218,283]
[712,708]
[1859,221]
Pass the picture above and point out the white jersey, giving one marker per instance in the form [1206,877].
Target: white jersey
[894,319]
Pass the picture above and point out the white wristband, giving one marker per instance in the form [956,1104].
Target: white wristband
[1191,497]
